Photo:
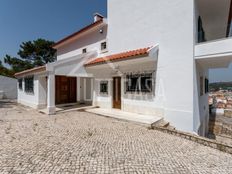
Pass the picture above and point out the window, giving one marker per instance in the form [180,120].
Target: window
[104,87]
[201,32]
[29,84]
[139,83]
[20,83]
[146,83]
[103,46]
[132,83]
[84,50]
[206,85]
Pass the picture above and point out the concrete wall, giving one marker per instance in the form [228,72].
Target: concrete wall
[9,87]
[37,99]
[91,41]
[138,24]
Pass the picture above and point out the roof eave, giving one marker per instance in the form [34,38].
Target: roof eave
[30,71]
[79,33]
[117,60]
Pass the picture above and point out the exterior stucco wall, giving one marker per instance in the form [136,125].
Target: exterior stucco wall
[201,118]
[138,24]
[91,42]
[37,99]
[84,89]
[9,87]
[42,90]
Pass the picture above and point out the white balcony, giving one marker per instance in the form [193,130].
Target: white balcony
[214,54]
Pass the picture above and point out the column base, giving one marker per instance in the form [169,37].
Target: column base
[51,110]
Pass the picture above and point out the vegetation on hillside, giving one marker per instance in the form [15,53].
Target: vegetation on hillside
[220,86]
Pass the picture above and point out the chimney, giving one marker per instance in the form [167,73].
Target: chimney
[97,17]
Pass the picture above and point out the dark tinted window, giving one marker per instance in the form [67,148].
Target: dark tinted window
[104,87]
[20,83]
[29,84]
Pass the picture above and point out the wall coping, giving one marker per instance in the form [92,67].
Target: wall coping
[195,138]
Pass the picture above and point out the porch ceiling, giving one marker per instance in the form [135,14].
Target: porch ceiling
[215,62]
[215,15]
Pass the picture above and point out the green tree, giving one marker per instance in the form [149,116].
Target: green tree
[4,71]
[17,64]
[32,54]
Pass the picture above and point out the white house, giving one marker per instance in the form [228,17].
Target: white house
[149,57]
[8,88]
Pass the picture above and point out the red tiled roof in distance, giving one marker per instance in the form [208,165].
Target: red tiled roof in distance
[78,32]
[119,56]
[33,70]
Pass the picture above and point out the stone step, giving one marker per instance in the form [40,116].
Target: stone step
[171,127]
[161,123]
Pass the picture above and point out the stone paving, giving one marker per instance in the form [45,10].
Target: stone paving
[80,142]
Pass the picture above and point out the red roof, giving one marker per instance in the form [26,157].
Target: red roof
[33,70]
[78,32]
[119,56]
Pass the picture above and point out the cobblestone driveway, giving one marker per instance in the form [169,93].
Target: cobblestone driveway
[78,142]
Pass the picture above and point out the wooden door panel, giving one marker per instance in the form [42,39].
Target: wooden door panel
[65,89]
[72,89]
[117,92]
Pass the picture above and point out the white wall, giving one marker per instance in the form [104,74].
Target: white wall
[42,90]
[137,24]
[201,114]
[9,87]
[91,41]
[84,89]
[37,99]
[196,16]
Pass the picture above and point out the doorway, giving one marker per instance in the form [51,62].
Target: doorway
[117,92]
[66,90]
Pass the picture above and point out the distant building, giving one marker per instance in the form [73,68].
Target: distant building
[210,100]
[228,106]
[221,105]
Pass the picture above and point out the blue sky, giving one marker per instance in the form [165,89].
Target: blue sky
[24,20]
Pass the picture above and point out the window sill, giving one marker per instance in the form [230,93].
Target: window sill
[104,51]
[104,93]
[30,93]
[138,93]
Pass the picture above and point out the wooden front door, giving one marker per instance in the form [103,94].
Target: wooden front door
[117,92]
[66,89]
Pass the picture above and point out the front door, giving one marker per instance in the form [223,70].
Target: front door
[66,89]
[117,92]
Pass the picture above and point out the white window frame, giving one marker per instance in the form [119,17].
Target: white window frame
[106,49]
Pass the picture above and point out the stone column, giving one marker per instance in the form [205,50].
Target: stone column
[51,94]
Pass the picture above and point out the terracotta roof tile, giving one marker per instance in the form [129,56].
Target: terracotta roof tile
[119,56]
[33,70]
[78,32]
